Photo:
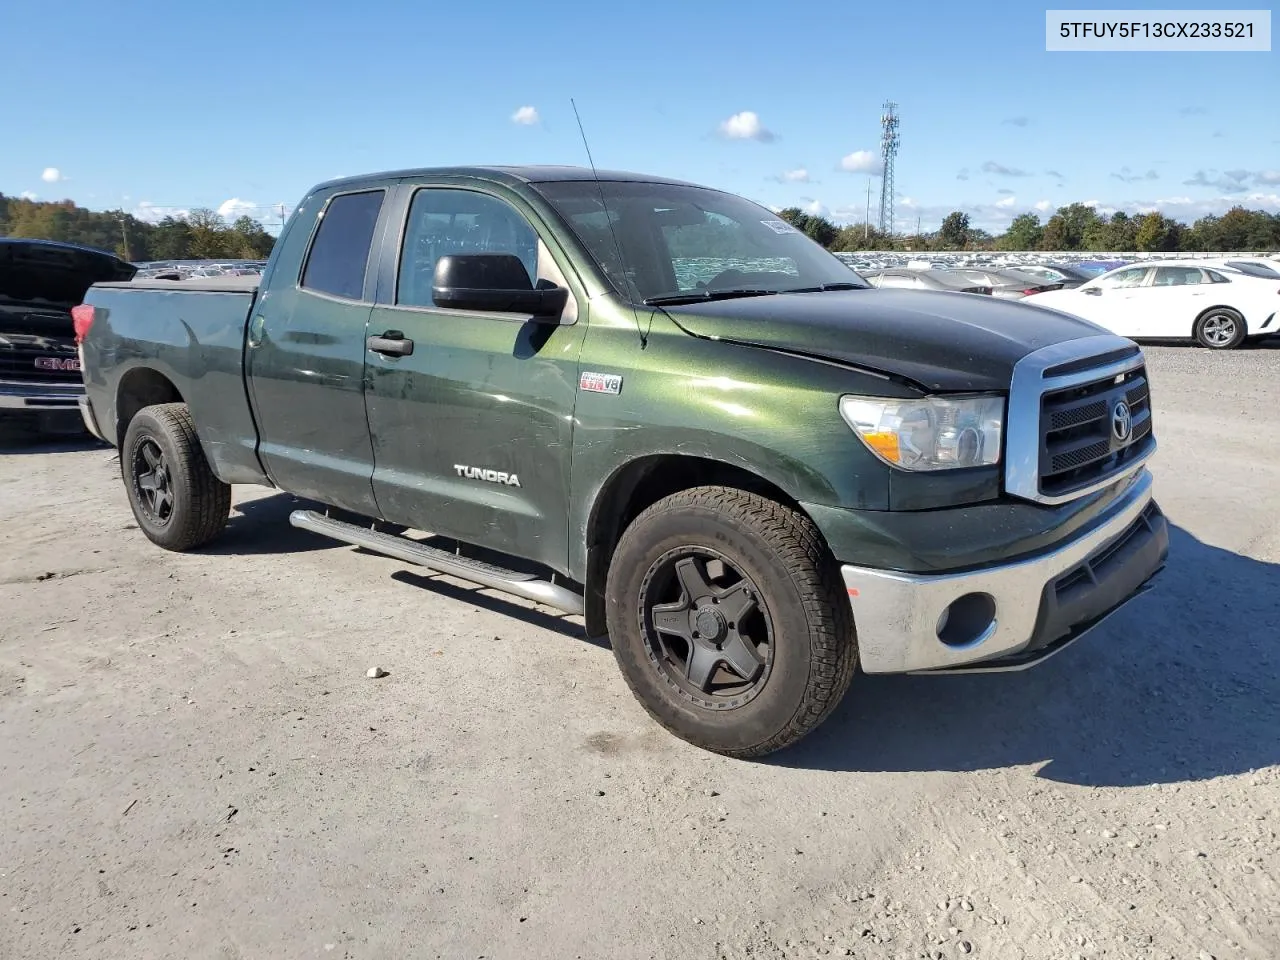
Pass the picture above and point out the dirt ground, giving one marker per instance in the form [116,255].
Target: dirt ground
[193,763]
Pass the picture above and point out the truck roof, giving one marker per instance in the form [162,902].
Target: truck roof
[510,175]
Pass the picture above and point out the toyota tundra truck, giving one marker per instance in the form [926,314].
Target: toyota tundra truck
[659,407]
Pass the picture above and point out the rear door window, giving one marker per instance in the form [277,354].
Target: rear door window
[1177,276]
[1123,278]
[339,256]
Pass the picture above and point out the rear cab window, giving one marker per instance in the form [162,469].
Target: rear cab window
[338,260]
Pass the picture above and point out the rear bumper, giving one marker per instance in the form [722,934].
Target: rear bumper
[90,421]
[1013,614]
[39,397]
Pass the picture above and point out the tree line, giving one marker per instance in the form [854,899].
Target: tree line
[202,234]
[205,235]
[1072,227]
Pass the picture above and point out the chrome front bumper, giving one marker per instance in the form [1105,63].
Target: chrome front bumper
[897,615]
[39,397]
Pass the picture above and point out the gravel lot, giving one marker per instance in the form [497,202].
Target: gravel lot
[193,763]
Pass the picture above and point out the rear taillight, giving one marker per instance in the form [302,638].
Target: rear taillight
[1028,292]
[82,320]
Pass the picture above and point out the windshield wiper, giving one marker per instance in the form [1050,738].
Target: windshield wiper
[702,296]
[824,288]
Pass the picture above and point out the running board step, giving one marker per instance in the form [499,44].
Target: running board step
[526,585]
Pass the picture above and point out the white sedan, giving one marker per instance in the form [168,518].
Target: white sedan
[1216,306]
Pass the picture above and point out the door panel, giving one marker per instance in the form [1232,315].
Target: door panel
[1117,306]
[1171,303]
[487,391]
[306,359]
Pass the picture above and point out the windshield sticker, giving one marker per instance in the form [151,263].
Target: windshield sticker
[779,226]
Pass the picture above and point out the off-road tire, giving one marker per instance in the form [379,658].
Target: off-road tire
[814,648]
[201,502]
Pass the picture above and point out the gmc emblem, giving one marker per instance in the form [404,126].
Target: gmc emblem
[57,363]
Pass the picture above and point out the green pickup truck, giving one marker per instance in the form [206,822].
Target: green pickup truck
[659,407]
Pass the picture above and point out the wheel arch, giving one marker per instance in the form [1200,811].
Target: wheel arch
[637,485]
[141,387]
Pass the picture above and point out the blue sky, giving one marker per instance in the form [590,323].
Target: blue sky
[241,106]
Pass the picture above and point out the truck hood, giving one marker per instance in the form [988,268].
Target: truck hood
[939,341]
[41,280]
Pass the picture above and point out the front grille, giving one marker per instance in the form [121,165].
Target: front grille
[1078,443]
[30,363]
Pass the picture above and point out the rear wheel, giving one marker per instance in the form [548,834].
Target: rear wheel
[176,499]
[1220,329]
[728,620]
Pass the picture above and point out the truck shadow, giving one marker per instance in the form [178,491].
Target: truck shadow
[262,526]
[1182,684]
[18,441]
[477,596]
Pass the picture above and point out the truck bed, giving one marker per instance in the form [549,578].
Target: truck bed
[192,332]
[197,284]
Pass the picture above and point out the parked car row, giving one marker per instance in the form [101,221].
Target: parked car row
[1220,303]
[1005,284]
[185,269]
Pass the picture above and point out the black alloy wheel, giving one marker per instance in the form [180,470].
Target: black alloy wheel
[706,627]
[151,474]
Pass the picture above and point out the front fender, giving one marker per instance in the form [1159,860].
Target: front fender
[773,415]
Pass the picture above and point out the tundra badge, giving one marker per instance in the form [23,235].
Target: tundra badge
[492,476]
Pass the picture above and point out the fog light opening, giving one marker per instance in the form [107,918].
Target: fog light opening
[967,620]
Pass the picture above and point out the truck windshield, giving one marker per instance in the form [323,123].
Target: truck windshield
[682,243]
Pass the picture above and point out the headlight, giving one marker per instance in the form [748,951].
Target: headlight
[936,433]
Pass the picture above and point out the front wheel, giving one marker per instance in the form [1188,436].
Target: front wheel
[1220,329]
[729,621]
[176,499]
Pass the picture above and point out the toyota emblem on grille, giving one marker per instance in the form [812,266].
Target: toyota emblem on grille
[1121,421]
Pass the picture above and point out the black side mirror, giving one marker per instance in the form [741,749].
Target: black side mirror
[496,282]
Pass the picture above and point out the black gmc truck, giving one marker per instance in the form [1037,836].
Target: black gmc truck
[40,281]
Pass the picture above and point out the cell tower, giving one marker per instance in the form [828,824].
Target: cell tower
[888,150]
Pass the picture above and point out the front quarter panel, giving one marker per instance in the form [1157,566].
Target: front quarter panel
[772,414]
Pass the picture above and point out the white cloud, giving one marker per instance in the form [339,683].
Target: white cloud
[1043,205]
[861,161]
[1189,210]
[28,195]
[799,175]
[745,126]
[1268,176]
[52,175]
[152,213]
[526,116]
[1091,203]
[229,210]
[815,209]
[908,203]
[1004,203]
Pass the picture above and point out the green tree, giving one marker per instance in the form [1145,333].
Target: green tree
[208,234]
[954,232]
[171,240]
[1122,231]
[1155,232]
[252,242]
[1025,233]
